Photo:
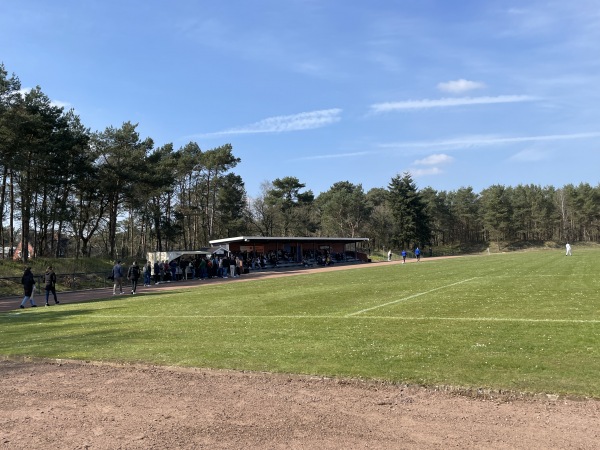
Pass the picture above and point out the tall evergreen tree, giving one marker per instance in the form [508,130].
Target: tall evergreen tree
[465,210]
[35,122]
[343,210]
[411,223]
[10,98]
[497,213]
[156,187]
[232,211]
[293,205]
[122,166]
[379,227]
[214,165]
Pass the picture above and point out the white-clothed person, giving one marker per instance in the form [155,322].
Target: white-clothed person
[568,250]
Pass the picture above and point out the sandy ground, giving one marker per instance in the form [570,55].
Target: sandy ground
[74,405]
[84,405]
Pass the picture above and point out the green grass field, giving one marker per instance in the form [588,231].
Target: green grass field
[526,322]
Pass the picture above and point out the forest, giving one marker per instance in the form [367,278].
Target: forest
[68,191]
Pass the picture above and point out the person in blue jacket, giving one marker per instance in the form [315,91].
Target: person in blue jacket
[418,254]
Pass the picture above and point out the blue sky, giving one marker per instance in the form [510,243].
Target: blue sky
[458,93]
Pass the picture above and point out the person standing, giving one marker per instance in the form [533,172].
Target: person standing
[390,254]
[28,282]
[224,266]
[568,250]
[202,268]
[147,273]
[403,256]
[50,282]
[156,272]
[232,266]
[133,275]
[239,262]
[117,274]
[173,266]
[418,254]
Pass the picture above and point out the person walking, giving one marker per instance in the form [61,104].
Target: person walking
[403,256]
[568,250]
[390,254]
[50,285]
[418,254]
[28,282]
[117,273]
[133,275]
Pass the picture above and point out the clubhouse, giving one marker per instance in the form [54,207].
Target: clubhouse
[296,249]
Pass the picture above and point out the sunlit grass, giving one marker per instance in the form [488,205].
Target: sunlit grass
[527,322]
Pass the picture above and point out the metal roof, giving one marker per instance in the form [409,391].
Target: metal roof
[259,239]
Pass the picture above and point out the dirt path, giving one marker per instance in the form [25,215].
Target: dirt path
[87,406]
[77,405]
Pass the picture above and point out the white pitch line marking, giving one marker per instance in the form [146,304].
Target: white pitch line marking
[409,297]
[331,317]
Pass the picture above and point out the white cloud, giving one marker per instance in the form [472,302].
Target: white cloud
[528,155]
[478,141]
[280,124]
[425,172]
[448,102]
[434,160]
[459,86]
[332,156]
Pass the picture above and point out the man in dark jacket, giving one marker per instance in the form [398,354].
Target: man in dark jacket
[50,281]
[133,275]
[28,282]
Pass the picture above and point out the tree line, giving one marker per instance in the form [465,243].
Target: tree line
[68,191]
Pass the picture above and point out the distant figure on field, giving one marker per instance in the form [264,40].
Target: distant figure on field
[403,256]
[390,254]
[568,250]
[418,254]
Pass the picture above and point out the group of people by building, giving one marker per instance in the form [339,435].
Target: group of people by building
[210,266]
[197,268]
[213,266]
